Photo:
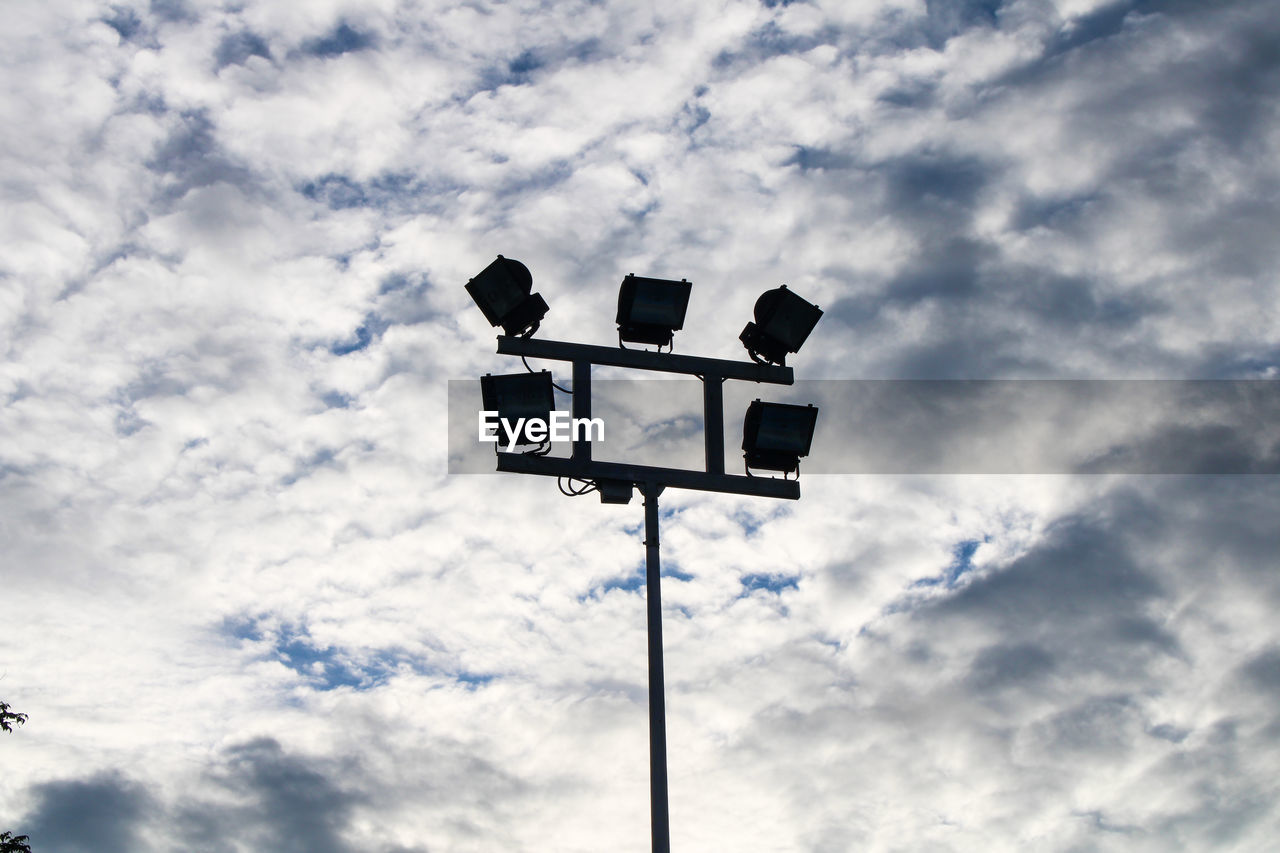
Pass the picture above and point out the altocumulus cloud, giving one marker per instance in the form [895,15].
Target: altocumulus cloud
[256,796]
[247,609]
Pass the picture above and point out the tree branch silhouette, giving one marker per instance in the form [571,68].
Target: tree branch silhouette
[10,843]
[14,843]
[8,719]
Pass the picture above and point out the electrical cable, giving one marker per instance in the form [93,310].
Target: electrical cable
[553,384]
[587,487]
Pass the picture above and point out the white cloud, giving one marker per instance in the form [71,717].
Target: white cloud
[247,607]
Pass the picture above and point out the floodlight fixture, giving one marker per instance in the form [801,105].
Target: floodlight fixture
[776,435]
[783,322]
[651,310]
[503,291]
[522,401]
[615,491]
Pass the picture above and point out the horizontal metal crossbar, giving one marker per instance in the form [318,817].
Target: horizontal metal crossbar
[646,360]
[675,478]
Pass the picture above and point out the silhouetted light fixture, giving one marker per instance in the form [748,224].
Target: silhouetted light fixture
[783,321]
[519,395]
[614,491]
[650,310]
[776,435]
[503,292]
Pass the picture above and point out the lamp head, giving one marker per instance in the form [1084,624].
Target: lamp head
[518,395]
[651,310]
[502,291]
[776,435]
[783,323]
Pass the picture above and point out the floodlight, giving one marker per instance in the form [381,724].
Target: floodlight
[650,310]
[783,321]
[776,435]
[515,396]
[502,290]
[614,491]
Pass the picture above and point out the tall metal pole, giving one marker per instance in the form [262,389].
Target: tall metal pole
[650,480]
[657,704]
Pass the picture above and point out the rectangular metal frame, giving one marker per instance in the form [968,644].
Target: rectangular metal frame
[712,371]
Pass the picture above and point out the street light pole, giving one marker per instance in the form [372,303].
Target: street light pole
[650,481]
[661,821]
[650,310]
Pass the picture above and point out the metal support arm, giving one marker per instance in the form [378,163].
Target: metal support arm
[645,360]
[675,478]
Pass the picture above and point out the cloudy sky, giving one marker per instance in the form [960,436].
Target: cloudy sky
[247,608]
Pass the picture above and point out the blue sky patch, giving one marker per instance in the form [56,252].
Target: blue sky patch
[522,65]
[475,679]
[329,667]
[236,48]
[366,333]
[344,39]
[324,667]
[820,159]
[749,523]
[323,457]
[629,583]
[671,570]
[335,400]
[961,564]
[775,583]
[963,559]
[635,581]
[362,338]
[124,21]
[337,192]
